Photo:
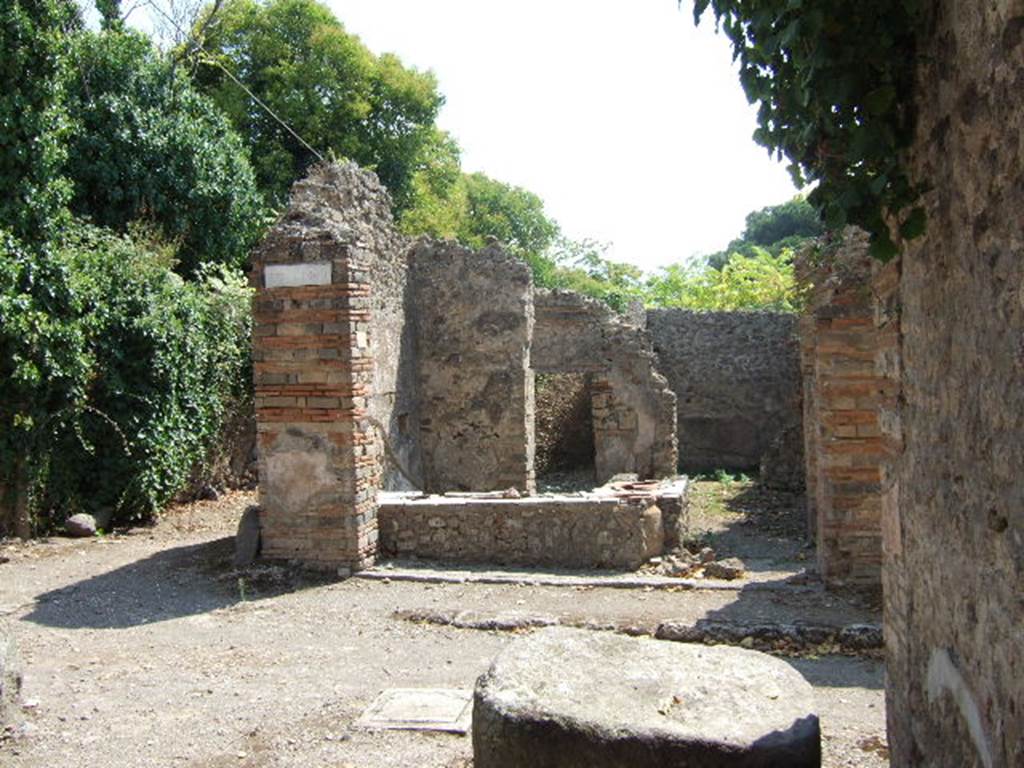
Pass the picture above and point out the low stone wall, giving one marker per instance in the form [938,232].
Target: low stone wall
[736,376]
[566,531]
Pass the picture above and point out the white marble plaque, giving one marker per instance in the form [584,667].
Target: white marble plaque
[295,275]
[423,709]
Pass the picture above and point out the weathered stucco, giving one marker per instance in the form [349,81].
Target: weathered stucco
[736,376]
[954,506]
[474,323]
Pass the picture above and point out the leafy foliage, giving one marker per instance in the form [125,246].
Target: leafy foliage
[297,58]
[116,372]
[438,201]
[774,224]
[32,119]
[757,282]
[580,265]
[774,228]
[147,145]
[834,81]
[512,215]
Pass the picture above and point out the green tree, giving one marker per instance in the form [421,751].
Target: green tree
[581,266]
[795,218]
[438,202]
[774,228]
[148,145]
[761,281]
[512,215]
[297,58]
[115,374]
[33,38]
[834,83]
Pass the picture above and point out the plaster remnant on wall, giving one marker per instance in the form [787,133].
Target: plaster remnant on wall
[474,326]
[945,679]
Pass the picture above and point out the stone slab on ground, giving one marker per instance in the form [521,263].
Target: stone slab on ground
[436,573]
[247,539]
[10,674]
[565,698]
[420,709]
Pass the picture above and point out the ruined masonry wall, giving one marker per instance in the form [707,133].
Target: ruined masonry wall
[474,322]
[844,448]
[633,408]
[319,456]
[736,376]
[954,533]
[357,202]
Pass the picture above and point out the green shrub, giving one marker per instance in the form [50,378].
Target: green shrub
[122,381]
[33,45]
[148,146]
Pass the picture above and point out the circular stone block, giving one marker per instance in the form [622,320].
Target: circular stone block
[566,698]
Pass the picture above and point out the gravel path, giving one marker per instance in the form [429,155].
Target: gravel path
[146,649]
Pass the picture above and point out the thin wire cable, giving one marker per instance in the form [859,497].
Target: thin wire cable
[212,61]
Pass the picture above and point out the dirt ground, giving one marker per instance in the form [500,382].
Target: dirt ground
[146,648]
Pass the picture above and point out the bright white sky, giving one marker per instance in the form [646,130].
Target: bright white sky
[626,119]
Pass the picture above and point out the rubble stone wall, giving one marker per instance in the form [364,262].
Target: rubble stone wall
[474,324]
[564,423]
[633,409]
[736,376]
[954,531]
[571,532]
[319,455]
[844,447]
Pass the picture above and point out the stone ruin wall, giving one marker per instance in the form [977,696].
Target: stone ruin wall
[474,321]
[843,395]
[382,364]
[954,499]
[736,376]
[633,409]
[319,454]
[564,424]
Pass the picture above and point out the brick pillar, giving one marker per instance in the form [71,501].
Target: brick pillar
[843,396]
[319,456]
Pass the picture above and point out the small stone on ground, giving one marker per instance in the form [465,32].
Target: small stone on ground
[80,525]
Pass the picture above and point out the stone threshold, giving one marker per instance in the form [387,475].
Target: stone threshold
[796,639]
[428,574]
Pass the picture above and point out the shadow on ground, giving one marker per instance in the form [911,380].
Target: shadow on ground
[766,528]
[170,584]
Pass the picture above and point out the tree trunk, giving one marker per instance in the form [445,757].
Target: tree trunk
[22,519]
